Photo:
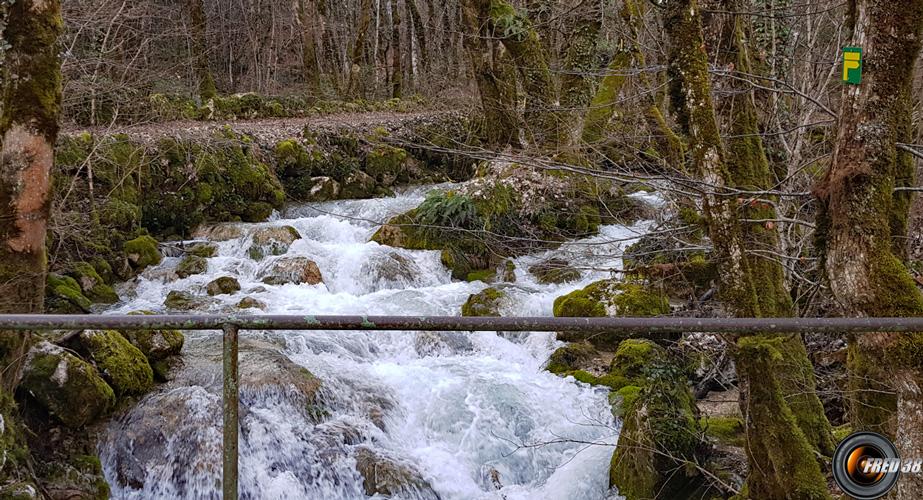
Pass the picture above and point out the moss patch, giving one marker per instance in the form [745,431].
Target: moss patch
[122,364]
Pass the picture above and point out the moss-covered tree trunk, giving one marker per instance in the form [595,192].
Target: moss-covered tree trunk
[308,18]
[500,119]
[857,226]
[359,55]
[763,362]
[198,29]
[31,100]
[542,114]
[28,130]
[578,83]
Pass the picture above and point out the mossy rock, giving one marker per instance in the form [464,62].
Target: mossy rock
[358,186]
[251,303]
[68,387]
[484,303]
[729,431]
[224,285]
[92,284]
[77,476]
[322,189]
[142,252]
[634,356]
[191,265]
[272,241]
[122,364]
[484,275]
[182,301]
[155,344]
[387,164]
[64,295]
[575,356]
[554,271]
[660,432]
[384,476]
[609,298]
[204,250]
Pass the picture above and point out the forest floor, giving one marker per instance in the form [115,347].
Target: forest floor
[265,130]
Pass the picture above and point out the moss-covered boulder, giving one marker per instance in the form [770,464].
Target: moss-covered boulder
[383,475]
[358,185]
[205,250]
[92,284]
[155,344]
[609,298]
[295,270]
[224,285]
[68,387]
[191,265]
[571,357]
[487,302]
[64,296]
[387,164]
[660,433]
[272,241]
[181,300]
[219,232]
[142,252]
[612,298]
[122,364]
[77,477]
[554,271]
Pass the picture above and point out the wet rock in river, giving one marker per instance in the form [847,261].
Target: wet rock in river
[294,270]
[223,286]
[383,475]
[272,241]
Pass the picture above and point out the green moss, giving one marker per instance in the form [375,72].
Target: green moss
[485,275]
[570,357]
[204,250]
[65,295]
[122,364]
[387,164]
[608,296]
[725,430]
[623,399]
[190,265]
[841,432]
[142,252]
[92,284]
[634,356]
[68,387]
[485,303]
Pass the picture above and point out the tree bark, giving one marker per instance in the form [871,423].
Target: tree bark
[397,70]
[856,225]
[358,57]
[771,368]
[28,130]
[198,27]
[308,18]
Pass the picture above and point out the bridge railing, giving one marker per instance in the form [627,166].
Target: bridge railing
[231,325]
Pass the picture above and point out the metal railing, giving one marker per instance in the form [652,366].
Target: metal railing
[230,325]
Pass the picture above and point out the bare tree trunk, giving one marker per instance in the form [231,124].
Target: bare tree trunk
[197,26]
[857,226]
[781,432]
[28,128]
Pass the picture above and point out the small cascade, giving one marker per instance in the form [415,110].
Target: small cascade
[426,415]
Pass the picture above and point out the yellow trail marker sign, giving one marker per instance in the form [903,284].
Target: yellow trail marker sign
[852,65]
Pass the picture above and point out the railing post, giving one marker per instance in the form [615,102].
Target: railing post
[231,409]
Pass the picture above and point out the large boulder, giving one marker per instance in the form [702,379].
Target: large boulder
[219,232]
[294,270]
[64,296]
[181,300]
[68,387]
[383,475]
[142,252]
[155,344]
[272,241]
[122,364]
[323,189]
[554,271]
[358,185]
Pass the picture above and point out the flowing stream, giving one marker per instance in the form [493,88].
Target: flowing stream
[473,414]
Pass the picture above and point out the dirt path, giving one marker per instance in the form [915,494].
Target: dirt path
[268,130]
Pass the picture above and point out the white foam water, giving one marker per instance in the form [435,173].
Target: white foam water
[473,413]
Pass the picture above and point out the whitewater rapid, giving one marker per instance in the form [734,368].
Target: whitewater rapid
[470,411]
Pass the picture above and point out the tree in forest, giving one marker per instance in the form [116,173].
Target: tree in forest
[198,28]
[360,51]
[785,423]
[31,101]
[397,70]
[309,18]
[860,215]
